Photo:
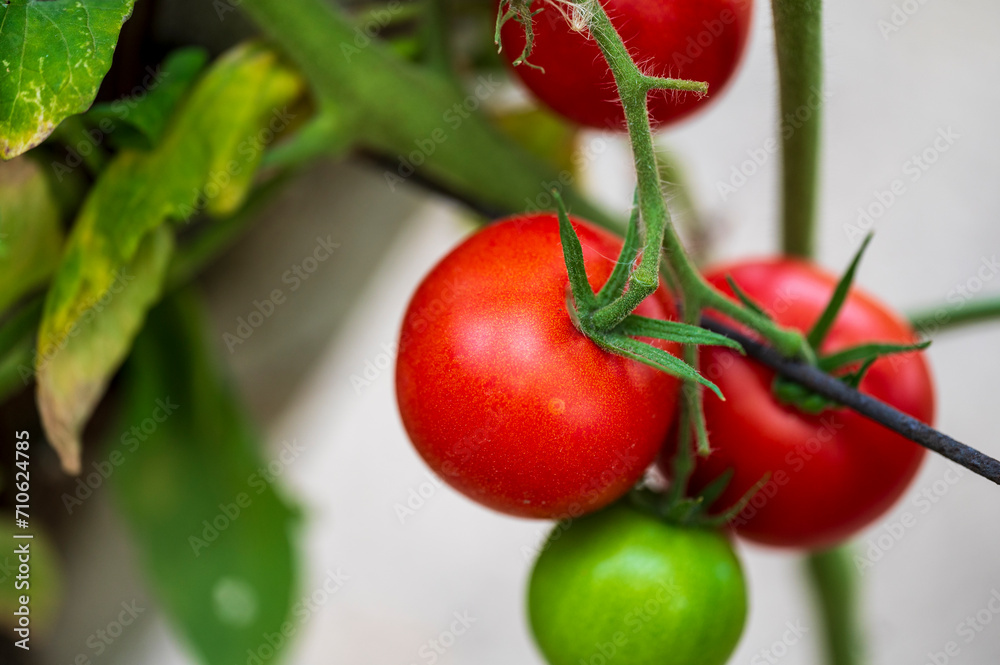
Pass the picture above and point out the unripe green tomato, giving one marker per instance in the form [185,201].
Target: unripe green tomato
[619,586]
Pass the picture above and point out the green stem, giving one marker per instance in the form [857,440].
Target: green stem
[834,580]
[930,321]
[437,51]
[413,113]
[799,45]
[633,88]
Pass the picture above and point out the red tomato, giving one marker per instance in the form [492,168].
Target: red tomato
[831,473]
[501,394]
[701,40]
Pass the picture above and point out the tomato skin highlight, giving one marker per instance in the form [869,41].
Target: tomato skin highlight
[832,473]
[700,41]
[505,399]
[619,586]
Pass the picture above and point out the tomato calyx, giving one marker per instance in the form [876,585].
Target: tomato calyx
[621,338]
[849,365]
[694,511]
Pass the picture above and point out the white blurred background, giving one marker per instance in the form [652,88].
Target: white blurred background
[408,573]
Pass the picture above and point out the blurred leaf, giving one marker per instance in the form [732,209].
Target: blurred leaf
[30,235]
[214,537]
[207,158]
[54,55]
[543,134]
[17,348]
[72,379]
[46,575]
[139,121]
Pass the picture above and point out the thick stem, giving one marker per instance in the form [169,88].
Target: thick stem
[799,44]
[930,321]
[834,581]
[413,113]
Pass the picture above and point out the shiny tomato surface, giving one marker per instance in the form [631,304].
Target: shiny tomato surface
[831,473]
[505,399]
[700,40]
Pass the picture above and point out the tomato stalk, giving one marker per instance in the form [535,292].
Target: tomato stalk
[633,88]
[798,41]
[835,585]
[932,320]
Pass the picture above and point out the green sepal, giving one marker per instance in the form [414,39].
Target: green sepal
[616,282]
[583,295]
[747,301]
[654,357]
[674,331]
[822,326]
[866,352]
[737,508]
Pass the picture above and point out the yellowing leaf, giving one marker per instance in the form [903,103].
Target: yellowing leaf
[206,159]
[53,57]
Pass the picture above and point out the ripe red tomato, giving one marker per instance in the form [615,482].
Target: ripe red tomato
[701,41]
[502,395]
[831,473]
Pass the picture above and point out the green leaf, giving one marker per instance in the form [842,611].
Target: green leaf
[140,120]
[30,234]
[207,158]
[74,373]
[829,315]
[214,536]
[866,352]
[654,357]
[583,295]
[616,282]
[674,331]
[53,57]
[17,348]
[747,301]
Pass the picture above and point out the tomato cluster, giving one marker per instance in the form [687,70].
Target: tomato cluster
[513,400]
[508,401]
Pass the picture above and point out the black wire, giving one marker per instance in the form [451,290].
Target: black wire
[834,389]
